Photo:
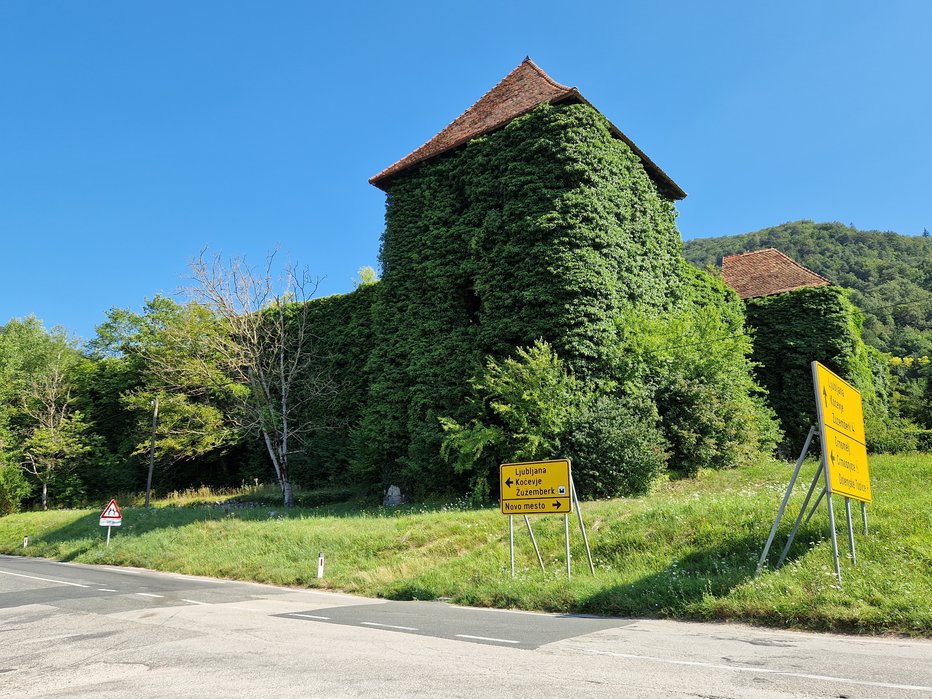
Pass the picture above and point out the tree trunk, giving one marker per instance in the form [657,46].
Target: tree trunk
[45,496]
[286,492]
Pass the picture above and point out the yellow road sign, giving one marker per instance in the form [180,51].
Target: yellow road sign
[847,470]
[841,425]
[839,404]
[535,488]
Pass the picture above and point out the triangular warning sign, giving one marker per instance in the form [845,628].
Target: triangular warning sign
[111,511]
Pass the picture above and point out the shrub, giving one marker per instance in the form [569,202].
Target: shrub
[14,488]
[616,445]
[521,408]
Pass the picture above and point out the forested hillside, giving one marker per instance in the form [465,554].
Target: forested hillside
[890,274]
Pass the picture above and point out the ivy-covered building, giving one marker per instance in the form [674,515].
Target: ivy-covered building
[529,217]
[799,316]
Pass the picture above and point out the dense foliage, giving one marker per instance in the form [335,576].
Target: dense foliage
[890,275]
[890,281]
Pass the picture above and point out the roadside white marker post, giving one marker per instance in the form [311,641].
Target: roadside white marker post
[320,565]
[25,541]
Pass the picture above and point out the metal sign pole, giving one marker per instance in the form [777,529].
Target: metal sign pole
[566,531]
[802,511]
[786,498]
[511,541]
[864,516]
[540,560]
[581,525]
[854,558]
[831,524]
[108,534]
[815,507]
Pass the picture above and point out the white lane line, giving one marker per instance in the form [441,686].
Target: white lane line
[388,626]
[485,638]
[36,577]
[105,589]
[193,601]
[763,671]
[148,594]
[310,616]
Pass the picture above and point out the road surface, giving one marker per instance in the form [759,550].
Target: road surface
[69,630]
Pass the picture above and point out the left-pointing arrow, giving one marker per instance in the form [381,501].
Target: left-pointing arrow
[508,482]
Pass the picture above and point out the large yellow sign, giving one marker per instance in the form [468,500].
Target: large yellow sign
[535,488]
[841,424]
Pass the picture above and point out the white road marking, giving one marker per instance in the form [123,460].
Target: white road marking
[762,671]
[310,616]
[148,594]
[193,601]
[486,638]
[105,589]
[388,626]
[35,577]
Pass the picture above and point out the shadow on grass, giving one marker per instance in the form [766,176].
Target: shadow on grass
[679,589]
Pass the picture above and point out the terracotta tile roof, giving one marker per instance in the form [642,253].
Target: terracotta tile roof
[523,89]
[767,272]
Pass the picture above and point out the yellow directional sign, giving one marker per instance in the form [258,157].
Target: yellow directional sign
[535,488]
[839,404]
[841,424]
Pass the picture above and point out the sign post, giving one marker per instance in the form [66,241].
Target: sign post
[540,488]
[111,517]
[844,461]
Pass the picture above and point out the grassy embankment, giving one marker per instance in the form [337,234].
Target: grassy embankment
[688,550]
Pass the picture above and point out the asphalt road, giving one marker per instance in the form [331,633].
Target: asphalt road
[70,630]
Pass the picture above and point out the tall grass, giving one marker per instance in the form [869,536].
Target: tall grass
[687,550]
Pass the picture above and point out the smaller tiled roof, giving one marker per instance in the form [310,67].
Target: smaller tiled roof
[767,272]
[519,92]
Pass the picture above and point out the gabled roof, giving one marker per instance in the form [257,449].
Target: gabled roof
[767,272]
[523,89]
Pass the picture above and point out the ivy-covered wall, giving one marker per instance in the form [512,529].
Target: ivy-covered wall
[548,228]
[342,344]
[793,329]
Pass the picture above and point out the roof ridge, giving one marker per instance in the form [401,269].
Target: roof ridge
[542,73]
[785,257]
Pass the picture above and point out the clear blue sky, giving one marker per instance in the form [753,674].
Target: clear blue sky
[132,134]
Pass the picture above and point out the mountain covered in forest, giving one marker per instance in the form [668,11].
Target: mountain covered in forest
[890,275]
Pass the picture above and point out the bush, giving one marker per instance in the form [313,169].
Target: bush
[616,445]
[521,407]
[14,488]
[693,364]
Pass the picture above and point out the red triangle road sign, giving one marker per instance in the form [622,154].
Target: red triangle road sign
[111,511]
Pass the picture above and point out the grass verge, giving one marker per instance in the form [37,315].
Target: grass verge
[687,550]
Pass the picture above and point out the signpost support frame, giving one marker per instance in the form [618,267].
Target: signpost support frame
[802,511]
[831,524]
[582,526]
[566,531]
[854,558]
[511,541]
[527,520]
[786,498]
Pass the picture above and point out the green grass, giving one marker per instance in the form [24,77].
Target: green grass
[688,550]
